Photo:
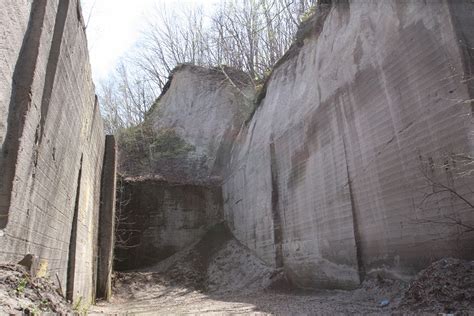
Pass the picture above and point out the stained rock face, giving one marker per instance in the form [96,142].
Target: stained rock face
[344,169]
[358,158]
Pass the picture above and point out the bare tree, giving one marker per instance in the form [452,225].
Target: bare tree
[453,188]
[125,99]
[125,234]
[250,35]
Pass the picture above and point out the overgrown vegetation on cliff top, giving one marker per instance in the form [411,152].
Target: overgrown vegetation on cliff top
[143,143]
[250,35]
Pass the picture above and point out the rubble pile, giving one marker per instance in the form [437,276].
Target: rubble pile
[447,285]
[20,293]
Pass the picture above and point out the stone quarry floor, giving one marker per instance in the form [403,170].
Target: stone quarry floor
[151,293]
[218,275]
[163,299]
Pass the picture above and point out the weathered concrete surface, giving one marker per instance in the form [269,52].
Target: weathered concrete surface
[14,16]
[52,141]
[157,219]
[355,118]
[206,108]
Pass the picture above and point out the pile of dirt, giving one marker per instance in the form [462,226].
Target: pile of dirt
[446,285]
[379,292]
[218,273]
[218,263]
[22,294]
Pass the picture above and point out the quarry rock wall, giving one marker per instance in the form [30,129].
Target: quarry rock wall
[362,130]
[52,142]
[191,126]
[157,219]
[173,162]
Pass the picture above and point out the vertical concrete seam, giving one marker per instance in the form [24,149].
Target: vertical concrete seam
[71,269]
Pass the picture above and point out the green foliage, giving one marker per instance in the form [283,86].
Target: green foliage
[153,108]
[143,144]
[80,307]
[168,144]
[259,88]
[308,13]
[20,288]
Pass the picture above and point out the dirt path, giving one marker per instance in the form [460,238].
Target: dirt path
[218,275]
[165,299]
[447,286]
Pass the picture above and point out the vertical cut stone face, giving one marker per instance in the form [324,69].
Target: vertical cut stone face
[158,218]
[53,130]
[361,114]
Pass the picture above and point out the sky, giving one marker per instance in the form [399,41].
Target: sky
[114,27]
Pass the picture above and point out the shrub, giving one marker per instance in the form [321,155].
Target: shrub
[142,144]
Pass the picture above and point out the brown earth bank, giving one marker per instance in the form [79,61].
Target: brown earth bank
[22,294]
[218,275]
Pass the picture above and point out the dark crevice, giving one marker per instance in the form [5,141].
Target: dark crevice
[20,103]
[277,227]
[71,269]
[355,222]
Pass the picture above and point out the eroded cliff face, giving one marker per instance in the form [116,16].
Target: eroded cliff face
[332,178]
[191,127]
[354,162]
[52,143]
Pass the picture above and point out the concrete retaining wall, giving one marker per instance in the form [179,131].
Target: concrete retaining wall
[362,120]
[52,142]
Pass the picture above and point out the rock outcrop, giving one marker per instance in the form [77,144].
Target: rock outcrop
[191,127]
